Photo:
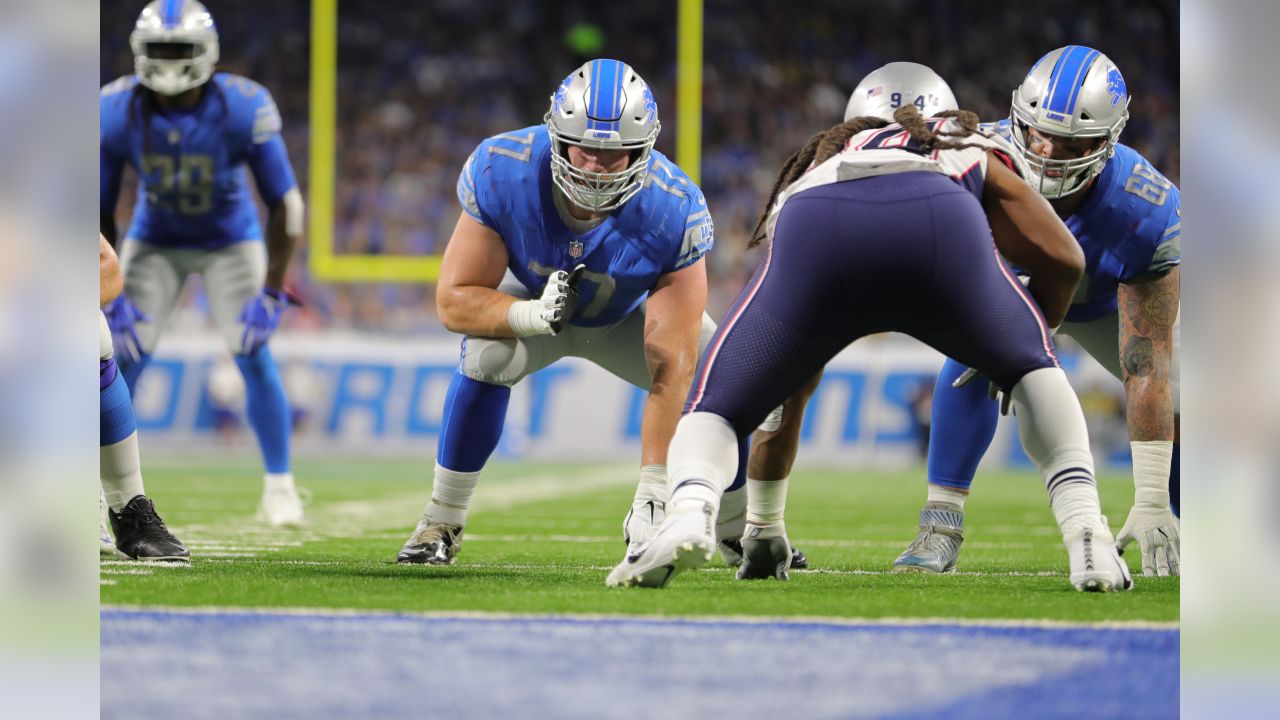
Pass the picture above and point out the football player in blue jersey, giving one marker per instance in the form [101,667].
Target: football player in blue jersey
[578,238]
[1067,116]
[189,133]
[140,534]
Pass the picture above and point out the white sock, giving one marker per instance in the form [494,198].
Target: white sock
[451,493]
[944,494]
[701,462]
[766,501]
[120,468]
[1054,435]
[653,484]
[734,504]
[278,481]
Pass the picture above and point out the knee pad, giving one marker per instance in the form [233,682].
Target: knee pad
[497,361]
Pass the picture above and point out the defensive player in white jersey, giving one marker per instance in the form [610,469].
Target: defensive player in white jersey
[578,238]
[879,95]
[861,220]
[189,133]
[140,534]
[1066,120]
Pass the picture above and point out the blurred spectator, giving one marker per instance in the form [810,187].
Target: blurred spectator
[1104,412]
[418,89]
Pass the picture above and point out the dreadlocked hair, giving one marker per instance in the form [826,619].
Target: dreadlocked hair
[909,117]
[818,150]
[824,145]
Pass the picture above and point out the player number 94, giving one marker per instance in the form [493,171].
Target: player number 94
[895,101]
[1148,184]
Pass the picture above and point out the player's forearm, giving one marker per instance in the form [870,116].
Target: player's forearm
[280,245]
[110,280]
[671,379]
[1150,407]
[1053,293]
[661,414]
[1148,309]
[474,310]
[107,225]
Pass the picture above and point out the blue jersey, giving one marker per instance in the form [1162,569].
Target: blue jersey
[1128,226]
[193,191]
[506,185]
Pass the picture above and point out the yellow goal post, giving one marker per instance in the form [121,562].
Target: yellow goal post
[328,266]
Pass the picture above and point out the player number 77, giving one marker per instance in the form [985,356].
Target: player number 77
[605,286]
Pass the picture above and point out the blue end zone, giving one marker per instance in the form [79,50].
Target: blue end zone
[264,665]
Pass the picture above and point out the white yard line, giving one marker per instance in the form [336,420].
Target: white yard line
[245,537]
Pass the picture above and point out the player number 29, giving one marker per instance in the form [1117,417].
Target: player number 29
[1148,184]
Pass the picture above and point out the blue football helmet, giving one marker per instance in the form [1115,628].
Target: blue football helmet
[603,104]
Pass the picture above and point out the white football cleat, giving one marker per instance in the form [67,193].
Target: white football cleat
[1095,564]
[106,546]
[684,541]
[281,507]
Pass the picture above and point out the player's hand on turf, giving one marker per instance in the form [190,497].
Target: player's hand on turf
[1156,530]
[261,317]
[122,317]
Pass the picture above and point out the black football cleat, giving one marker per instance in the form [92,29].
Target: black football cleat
[142,535]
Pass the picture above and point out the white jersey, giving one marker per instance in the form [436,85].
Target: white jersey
[890,149]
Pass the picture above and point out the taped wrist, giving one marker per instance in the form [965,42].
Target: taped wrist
[1152,460]
[525,318]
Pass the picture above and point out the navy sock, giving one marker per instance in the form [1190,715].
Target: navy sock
[267,407]
[474,413]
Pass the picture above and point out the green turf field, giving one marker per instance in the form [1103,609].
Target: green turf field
[542,537]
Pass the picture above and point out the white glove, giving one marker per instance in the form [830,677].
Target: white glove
[1151,522]
[648,510]
[546,315]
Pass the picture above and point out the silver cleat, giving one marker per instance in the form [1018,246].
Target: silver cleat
[936,547]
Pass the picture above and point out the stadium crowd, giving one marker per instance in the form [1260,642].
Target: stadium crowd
[418,89]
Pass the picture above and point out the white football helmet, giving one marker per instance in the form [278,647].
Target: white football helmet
[163,25]
[603,104]
[888,88]
[1073,92]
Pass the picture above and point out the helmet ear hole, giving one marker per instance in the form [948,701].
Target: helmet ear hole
[1085,116]
[1033,103]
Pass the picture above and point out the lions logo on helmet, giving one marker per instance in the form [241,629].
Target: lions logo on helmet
[888,88]
[175,46]
[1073,92]
[603,104]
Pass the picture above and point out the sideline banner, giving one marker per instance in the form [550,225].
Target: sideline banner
[372,394]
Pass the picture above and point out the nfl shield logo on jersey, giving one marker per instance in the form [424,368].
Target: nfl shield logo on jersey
[575,249]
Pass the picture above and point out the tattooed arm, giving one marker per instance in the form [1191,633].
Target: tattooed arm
[1148,309]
